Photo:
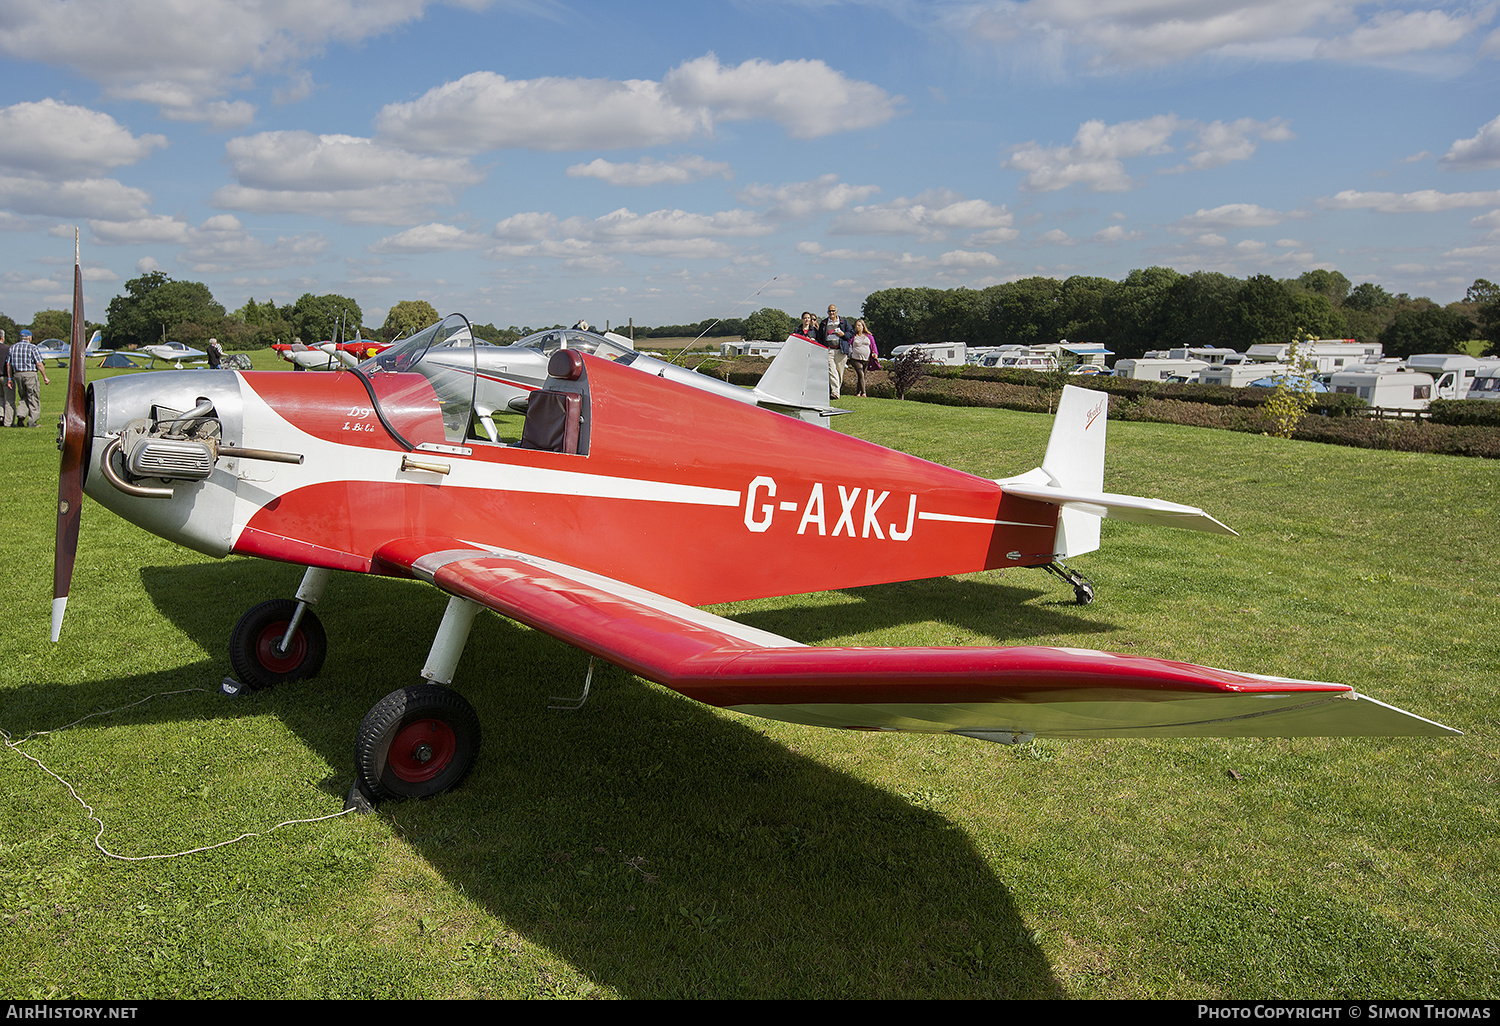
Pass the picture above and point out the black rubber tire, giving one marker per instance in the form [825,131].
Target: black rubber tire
[254,640]
[389,750]
[1083,594]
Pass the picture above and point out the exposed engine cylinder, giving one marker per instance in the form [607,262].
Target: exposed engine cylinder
[178,459]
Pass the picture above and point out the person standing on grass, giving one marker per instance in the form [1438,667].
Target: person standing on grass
[7,390]
[835,333]
[861,348]
[23,367]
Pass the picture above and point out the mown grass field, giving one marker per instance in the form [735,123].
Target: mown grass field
[645,846]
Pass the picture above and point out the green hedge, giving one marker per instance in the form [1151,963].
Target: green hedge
[1469,427]
[1465,412]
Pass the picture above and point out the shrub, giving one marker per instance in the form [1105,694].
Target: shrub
[1465,412]
[906,370]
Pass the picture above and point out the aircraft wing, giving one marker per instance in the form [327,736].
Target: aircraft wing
[998,694]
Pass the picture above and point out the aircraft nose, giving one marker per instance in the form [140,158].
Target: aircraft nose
[158,453]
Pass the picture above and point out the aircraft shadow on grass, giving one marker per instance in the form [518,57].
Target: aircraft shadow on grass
[643,819]
[994,610]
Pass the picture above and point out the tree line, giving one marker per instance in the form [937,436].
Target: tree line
[1152,308]
[1159,308]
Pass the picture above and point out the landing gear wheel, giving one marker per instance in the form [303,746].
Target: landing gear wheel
[1083,588]
[416,742]
[255,645]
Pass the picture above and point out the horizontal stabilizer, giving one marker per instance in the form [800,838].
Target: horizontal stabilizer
[1115,506]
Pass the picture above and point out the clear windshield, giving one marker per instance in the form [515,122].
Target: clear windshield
[553,339]
[424,385]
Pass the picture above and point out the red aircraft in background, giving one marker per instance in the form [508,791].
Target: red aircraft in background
[378,470]
[327,355]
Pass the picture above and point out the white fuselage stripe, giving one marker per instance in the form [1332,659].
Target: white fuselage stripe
[956,519]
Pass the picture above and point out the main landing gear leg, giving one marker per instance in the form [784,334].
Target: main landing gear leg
[423,739]
[281,640]
[1083,588]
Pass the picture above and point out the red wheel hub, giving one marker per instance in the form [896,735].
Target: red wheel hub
[268,649]
[422,750]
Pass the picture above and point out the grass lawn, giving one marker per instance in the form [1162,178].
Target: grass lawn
[646,846]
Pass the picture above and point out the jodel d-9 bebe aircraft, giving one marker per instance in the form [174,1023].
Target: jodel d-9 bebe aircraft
[378,470]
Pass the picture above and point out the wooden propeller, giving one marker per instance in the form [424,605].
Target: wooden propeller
[73,441]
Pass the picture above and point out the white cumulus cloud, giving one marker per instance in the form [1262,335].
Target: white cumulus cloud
[58,139]
[1095,159]
[795,200]
[931,215]
[184,54]
[348,178]
[807,97]
[429,238]
[1393,33]
[75,198]
[1423,201]
[218,244]
[1481,153]
[1052,37]
[1230,215]
[487,111]
[676,234]
[648,171]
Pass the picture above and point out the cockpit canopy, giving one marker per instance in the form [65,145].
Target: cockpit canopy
[402,380]
[472,379]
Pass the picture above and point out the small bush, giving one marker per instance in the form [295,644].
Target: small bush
[907,369]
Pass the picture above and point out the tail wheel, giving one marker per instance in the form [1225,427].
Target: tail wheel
[255,649]
[417,742]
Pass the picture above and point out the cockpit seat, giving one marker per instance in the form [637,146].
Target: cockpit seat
[553,421]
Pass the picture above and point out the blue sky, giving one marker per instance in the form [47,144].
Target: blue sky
[528,162]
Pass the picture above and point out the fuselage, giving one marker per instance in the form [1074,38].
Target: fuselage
[678,491]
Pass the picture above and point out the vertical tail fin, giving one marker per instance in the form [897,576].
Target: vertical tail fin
[1072,476]
[1075,463]
[797,381]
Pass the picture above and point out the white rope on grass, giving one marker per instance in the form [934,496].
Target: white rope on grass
[15,746]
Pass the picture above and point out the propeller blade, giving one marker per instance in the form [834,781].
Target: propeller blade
[72,440]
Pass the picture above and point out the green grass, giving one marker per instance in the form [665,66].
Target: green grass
[646,846]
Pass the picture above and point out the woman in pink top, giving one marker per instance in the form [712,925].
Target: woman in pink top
[861,348]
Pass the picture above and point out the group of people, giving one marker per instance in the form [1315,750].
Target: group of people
[849,345]
[21,395]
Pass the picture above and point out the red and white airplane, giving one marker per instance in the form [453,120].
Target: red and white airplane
[378,470]
[327,355]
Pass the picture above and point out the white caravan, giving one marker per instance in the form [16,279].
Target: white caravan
[1486,381]
[1326,355]
[1158,369]
[946,354]
[1453,374]
[1400,391]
